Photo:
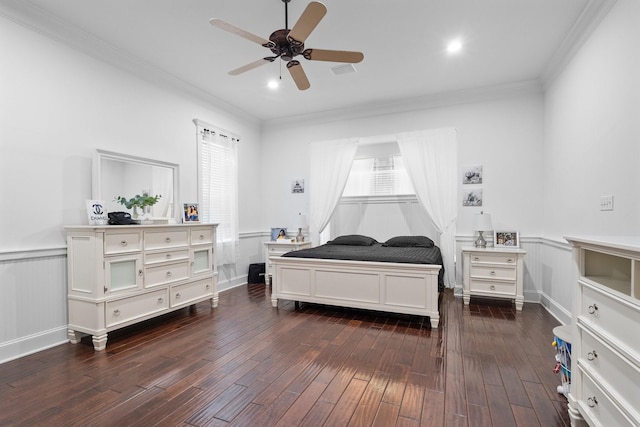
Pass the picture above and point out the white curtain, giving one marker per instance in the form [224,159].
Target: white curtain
[330,165]
[430,157]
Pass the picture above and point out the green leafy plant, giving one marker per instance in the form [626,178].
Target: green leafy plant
[138,200]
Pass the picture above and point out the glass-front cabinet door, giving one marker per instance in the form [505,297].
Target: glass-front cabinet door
[201,260]
[123,273]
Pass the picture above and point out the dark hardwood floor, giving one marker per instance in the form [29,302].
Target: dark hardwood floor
[248,364]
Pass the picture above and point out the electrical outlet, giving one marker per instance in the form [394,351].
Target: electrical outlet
[606,203]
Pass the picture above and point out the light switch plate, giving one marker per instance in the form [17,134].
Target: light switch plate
[606,203]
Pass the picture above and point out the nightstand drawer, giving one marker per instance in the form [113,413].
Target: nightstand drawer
[493,288]
[493,258]
[489,272]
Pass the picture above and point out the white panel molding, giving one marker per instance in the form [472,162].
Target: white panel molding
[32,253]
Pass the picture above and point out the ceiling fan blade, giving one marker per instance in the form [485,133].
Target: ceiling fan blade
[240,32]
[252,65]
[309,19]
[298,75]
[333,55]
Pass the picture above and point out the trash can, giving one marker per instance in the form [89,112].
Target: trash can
[562,343]
[256,273]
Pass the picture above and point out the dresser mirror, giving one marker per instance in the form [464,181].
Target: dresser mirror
[117,174]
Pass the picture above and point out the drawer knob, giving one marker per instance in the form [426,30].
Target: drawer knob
[510,260]
[201,236]
[592,355]
[168,239]
[168,274]
[178,295]
[492,287]
[476,258]
[160,300]
[208,286]
[123,243]
[140,272]
[593,308]
[493,273]
[168,256]
[592,402]
[192,263]
[116,312]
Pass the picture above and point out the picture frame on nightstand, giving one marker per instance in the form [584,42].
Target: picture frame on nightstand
[506,239]
[276,232]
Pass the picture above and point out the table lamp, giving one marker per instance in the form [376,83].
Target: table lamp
[302,223]
[482,223]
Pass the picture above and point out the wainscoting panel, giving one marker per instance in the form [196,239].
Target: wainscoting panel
[33,303]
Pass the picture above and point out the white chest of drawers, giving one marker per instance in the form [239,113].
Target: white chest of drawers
[605,377]
[279,249]
[494,273]
[121,275]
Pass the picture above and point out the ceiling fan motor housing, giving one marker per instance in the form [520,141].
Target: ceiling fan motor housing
[284,47]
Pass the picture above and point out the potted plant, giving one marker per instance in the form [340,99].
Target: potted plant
[144,201]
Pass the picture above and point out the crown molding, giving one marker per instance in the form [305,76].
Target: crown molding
[590,18]
[42,22]
[436,100]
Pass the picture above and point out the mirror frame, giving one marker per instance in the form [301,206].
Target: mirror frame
[96,182]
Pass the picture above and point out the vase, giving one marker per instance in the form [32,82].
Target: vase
[146,217]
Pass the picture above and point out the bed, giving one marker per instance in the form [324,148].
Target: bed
[402,275]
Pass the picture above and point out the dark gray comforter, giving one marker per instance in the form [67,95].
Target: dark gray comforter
[378,253]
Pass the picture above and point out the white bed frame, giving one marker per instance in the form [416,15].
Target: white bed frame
[383,286]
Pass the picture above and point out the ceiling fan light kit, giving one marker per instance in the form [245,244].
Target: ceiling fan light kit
[287,43]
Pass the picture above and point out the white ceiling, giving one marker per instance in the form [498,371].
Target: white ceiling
[506,43]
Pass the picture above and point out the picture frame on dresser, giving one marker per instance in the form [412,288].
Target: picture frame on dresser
[275,232]
[506,239]
[191,214]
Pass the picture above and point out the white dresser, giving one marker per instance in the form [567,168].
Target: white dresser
[278,249]
[119,275]
[605,377]
[493,273]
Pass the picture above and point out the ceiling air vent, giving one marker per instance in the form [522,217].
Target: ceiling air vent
[343,69]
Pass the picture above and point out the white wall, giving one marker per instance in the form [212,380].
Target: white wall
[503,135]
[59,105]
[592,142]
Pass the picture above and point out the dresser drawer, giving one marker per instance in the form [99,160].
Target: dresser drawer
[491,272]
[167,256]
[166,273]
[598,409]
[486,287]
[128,309]
[189,293]
[611,316]
[202,236]
[165,239]
[493,258]
[598,357]
[116,243]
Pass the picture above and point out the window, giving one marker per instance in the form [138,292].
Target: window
[378,176]
[218,183]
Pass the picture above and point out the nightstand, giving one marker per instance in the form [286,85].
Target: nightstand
[493,273]
[278,249]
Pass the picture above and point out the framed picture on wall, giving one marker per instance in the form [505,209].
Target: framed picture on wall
[472,197]
[191,213]
[297,186]
[472,175]
[506,239]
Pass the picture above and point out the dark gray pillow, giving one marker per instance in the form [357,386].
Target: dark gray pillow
[409,242]
[353,240]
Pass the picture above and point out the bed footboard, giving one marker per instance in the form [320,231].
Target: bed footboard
[391,287]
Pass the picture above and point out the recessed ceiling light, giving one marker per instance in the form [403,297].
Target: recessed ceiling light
[454,46]
[273,84]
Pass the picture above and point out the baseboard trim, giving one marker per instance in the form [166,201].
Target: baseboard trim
[30,344]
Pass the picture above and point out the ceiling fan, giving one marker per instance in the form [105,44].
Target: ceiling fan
[287,43]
